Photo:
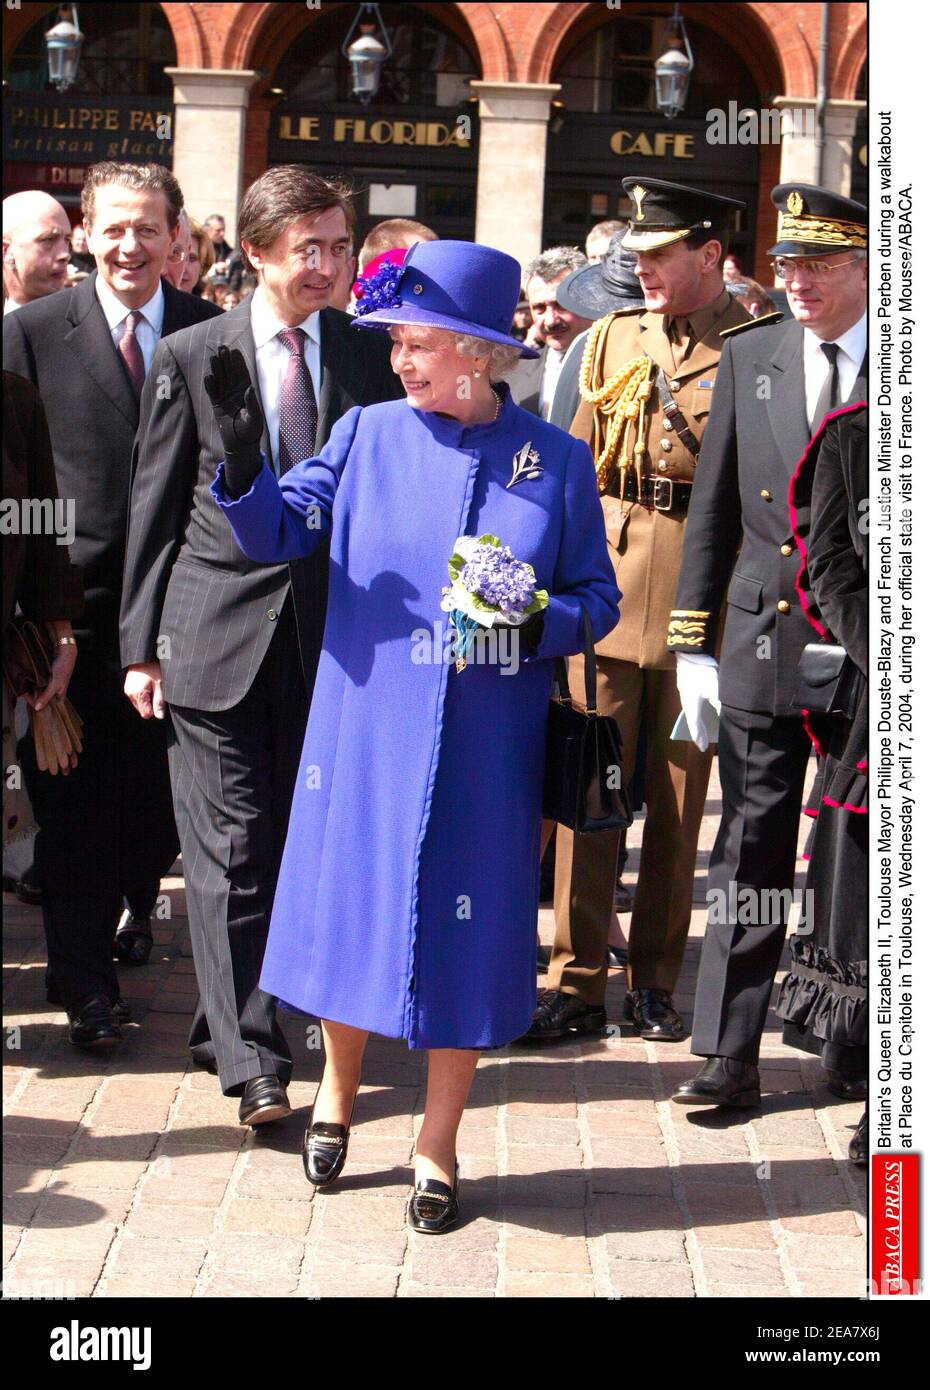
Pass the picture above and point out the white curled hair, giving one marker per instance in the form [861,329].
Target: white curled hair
[503,356]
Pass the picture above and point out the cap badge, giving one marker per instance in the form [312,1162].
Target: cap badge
[638,193]
[795,203]
[418,289]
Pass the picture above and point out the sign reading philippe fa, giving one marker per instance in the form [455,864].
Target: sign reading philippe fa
[83,130]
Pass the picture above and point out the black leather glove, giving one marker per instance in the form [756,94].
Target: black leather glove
[532,630]
[239,418]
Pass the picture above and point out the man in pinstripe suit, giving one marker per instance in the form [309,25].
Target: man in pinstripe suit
[227,646]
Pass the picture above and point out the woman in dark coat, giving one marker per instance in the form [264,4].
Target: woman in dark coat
[37,573]
[407,899]
[823,999]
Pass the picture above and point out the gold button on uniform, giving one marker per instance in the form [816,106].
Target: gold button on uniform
[787,550]
[783,606]
[675,385]
[667,425]
[765,495]
[666,444]
[662,465]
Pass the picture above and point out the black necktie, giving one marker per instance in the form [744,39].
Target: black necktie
[829,397]
[297,413]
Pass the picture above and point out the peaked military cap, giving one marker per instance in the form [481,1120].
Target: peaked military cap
[813,221]
[665,212]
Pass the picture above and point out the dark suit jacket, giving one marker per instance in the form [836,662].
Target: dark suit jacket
[738,542]
[525,381]
[191,598]
[62,345]
[37,573]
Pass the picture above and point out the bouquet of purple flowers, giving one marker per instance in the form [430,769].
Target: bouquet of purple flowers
[490,587]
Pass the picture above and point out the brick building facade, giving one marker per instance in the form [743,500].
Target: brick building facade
[509,123]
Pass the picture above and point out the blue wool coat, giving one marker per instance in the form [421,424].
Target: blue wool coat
[407,898]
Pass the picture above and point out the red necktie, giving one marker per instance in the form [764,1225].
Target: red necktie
[297,413]
[131,352]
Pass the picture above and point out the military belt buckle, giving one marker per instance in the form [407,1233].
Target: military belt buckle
[667,484]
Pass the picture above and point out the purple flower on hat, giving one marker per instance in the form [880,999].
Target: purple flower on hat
[379,291]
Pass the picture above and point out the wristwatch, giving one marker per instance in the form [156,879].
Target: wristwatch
[66,642]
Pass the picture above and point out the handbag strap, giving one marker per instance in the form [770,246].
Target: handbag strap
[590,671]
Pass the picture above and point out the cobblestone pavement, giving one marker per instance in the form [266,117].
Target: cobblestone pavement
[579,1178]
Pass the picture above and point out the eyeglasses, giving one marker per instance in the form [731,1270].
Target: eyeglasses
[817,270]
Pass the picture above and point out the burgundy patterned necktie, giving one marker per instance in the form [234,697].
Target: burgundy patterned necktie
[297,413]
[131,352]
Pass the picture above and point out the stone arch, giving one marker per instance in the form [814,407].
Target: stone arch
[849,64]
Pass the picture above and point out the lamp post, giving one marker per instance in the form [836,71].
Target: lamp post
[63,42]
[367,54]
[674,68]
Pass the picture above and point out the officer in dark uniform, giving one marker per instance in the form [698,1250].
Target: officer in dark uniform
[774,385]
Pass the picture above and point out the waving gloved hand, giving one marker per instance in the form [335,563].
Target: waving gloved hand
[697,681]
[239,418]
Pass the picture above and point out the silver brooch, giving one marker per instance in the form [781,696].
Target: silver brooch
[525,465]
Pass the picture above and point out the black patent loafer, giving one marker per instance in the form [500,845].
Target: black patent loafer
[94,1024]
[264,1099]
[543,955]
[623,898]
[617,957]
[858,1150]
[653,1015]
[722,1081]
[132,944]
[847,1087]
[560,1015]
[433,1205]
[324,1150]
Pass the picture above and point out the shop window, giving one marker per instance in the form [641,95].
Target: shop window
[612,69]
[429,66]
[448,200]
[125,52]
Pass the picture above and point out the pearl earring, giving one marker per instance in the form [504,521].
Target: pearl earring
[476,373]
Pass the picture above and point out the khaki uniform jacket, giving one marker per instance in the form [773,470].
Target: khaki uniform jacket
[645,545]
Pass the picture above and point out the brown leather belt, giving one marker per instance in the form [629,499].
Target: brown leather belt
[669,495]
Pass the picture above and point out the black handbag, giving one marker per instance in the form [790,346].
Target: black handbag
[582,787]
[829,682]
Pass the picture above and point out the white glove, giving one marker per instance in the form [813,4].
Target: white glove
[697,683]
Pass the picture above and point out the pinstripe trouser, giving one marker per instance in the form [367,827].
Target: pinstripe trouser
[232,777]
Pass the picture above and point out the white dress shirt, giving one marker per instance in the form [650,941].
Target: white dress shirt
[551,370]
[851,346]
[271,358]
[148,330]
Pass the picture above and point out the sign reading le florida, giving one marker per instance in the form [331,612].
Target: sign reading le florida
[356,130]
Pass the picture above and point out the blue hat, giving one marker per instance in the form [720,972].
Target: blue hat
[458,285]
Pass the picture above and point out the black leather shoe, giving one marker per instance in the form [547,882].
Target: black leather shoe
[847,1087]
[132,943]
[263,1100]
[653,1015]
[859,1144]
[433,1205]
[617,958]
[623,898]
[27,890]
[543,954]
[559,1015]
[324,1150]
[121,1010]
[94,1024]
[722,1081]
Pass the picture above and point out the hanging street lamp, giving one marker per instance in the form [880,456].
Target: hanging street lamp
[63,42]
[674,68]
[367,54]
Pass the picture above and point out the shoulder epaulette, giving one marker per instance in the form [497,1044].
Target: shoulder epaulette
[775,317]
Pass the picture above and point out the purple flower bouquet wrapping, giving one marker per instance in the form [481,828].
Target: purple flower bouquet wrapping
[490,587]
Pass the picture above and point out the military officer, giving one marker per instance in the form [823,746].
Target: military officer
[774,385]
[647,382]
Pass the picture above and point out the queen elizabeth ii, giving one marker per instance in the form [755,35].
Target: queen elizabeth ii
[406,901]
